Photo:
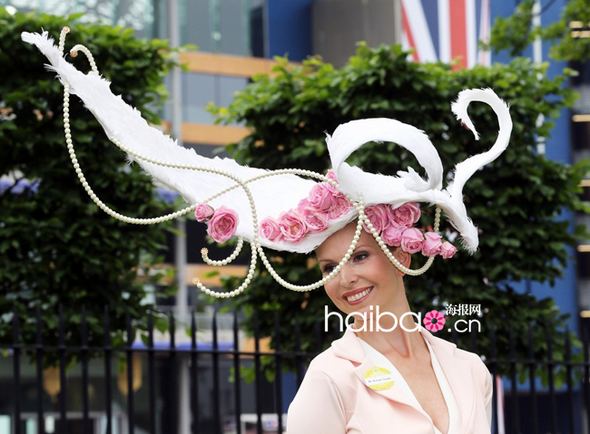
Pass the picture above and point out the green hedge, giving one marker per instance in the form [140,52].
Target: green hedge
[56,246]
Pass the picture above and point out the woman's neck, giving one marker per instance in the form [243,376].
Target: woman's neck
[394,329]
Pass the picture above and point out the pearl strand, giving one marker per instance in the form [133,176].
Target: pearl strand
[86,51]
[331,275]
[238,290]
[62,39]
[302,172]
[230,258]
[95,199]
[118,216]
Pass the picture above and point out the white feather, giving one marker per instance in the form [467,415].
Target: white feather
[373,188]
[466,169]
[124,123]
[272,196]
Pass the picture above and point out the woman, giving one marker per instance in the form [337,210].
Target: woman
[422,384]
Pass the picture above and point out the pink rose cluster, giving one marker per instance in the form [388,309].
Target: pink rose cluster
[221,223]
[396,227]
[312,215]
[324,204]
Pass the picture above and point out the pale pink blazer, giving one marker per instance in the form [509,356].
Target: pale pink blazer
[333,397]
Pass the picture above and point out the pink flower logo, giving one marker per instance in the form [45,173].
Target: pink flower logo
[434,321]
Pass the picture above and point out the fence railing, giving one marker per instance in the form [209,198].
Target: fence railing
[206,376]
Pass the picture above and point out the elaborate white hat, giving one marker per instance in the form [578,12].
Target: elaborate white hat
[237,198]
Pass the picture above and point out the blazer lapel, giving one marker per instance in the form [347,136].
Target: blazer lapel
[457,370]
[453,365]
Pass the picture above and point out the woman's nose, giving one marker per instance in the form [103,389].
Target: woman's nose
[348,275]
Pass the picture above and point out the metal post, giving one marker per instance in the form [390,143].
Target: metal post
[180,247]
[397,21]
[180,262]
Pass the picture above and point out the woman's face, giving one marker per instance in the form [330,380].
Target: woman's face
[367,279]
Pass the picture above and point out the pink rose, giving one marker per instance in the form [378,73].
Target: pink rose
[379,216]
[321,197]
[303,204]
[340,206]
[203,212]
[447,250]
[269,229]
[314,220]
[223,224]
[392,235]
[407,214]
[432,244]
[292,226]
[412,240]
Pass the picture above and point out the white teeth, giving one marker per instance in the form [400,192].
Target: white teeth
[359,295]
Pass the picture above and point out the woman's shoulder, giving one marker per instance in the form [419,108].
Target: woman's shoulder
[337,365]
[477,364]
[478,367]
[325,396]
[330,363]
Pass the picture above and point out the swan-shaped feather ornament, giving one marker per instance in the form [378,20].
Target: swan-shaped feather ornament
[257,194]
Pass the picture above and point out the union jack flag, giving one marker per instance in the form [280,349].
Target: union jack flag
[447,30]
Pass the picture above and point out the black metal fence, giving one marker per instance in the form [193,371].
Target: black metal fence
[209,379]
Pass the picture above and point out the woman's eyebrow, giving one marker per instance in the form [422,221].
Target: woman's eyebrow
[355,250]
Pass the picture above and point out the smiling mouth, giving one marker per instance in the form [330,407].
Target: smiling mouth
[359,296]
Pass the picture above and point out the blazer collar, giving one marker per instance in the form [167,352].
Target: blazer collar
[453,364]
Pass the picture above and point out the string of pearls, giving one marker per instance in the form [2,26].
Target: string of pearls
[112,213]
[62,39]
[304,288]
[256,247]
[118,216]
[230,258]
[87,53]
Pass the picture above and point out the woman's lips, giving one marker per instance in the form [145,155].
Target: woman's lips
[358,296]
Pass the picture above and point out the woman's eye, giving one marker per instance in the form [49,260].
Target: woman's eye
[361,256]
[356,258]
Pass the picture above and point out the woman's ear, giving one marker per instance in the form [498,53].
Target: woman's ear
[404,257]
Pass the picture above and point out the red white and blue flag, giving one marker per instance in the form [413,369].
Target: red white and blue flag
[447,30]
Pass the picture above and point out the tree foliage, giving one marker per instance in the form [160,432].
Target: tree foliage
[516,32]
[56,246]
[516,202]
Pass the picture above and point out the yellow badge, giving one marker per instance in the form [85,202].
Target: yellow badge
[378,378]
